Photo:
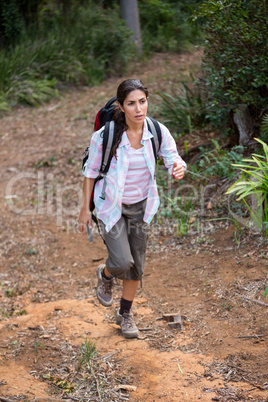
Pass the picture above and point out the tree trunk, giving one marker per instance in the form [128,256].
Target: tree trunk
[130,13]
[66,11]
[243,122]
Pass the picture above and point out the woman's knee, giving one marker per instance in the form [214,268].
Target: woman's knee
[120,267]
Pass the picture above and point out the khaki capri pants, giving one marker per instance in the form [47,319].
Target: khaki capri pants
[126,243]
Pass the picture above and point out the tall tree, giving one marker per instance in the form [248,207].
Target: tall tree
[130,13]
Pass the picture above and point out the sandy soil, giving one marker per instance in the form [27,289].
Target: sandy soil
[47,270]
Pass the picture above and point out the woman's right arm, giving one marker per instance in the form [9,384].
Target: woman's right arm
[85,215]
[90,172]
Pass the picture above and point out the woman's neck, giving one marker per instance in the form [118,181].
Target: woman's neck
[135,129]
[134,133]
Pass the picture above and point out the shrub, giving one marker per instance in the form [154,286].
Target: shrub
[254,181]
[184,109]
[165,26]
[218,163]
[10,23]
[31,91]
[236,57]
[94,44]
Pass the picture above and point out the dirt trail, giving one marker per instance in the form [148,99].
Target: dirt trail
[47,272]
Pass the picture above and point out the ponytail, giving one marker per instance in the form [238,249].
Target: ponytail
[120,127]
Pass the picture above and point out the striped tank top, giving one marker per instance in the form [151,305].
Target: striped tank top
[137,179]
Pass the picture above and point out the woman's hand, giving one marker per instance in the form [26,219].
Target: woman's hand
[84,218]
[178,172]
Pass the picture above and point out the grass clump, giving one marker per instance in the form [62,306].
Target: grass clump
[184,109]
[88,352]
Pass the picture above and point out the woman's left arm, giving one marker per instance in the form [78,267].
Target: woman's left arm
[172,160]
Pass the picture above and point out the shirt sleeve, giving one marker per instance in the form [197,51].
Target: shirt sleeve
[93,163]
[168,150]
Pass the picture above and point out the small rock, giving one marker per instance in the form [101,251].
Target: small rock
[176,325]
[175,320]
[126,387]
[12,169]
[174,317]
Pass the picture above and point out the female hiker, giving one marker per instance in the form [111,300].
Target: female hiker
[131,197]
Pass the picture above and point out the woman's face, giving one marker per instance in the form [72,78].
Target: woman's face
[135,107]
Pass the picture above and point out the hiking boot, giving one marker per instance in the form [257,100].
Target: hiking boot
[128,327]
[104,288]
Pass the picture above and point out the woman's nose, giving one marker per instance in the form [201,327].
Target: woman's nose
[138,107]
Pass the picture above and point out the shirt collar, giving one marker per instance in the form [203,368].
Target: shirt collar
[146,135]
[124,140]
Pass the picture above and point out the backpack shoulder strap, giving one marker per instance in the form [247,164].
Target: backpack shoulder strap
[110,102]
[155,129]
[105,113]
[108,143]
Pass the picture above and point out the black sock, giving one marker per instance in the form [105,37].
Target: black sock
[108,278]
[125,306]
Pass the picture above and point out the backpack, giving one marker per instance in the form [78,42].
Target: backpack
[104,118]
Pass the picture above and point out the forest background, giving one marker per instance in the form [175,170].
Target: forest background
[218,115]
[207,253]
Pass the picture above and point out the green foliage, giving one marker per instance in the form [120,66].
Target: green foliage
[88,352]
[218,163]
[62,383]
[254,181]
[236,55]
[94,44]
[184,109]
[165,25]
[22,312]
[264,126]
[31,91]
[182,210]
[4,106]
[11,24]
[11,292]
[32,251]
[264,129]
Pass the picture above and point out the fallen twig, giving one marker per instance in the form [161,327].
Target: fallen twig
[106,356]
[250,336]
[4,399]
[145,329]
[98,389]
[199,267]
[249,390]
[255,385]
[255,301]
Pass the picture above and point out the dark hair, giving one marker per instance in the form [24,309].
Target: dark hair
[123,91]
